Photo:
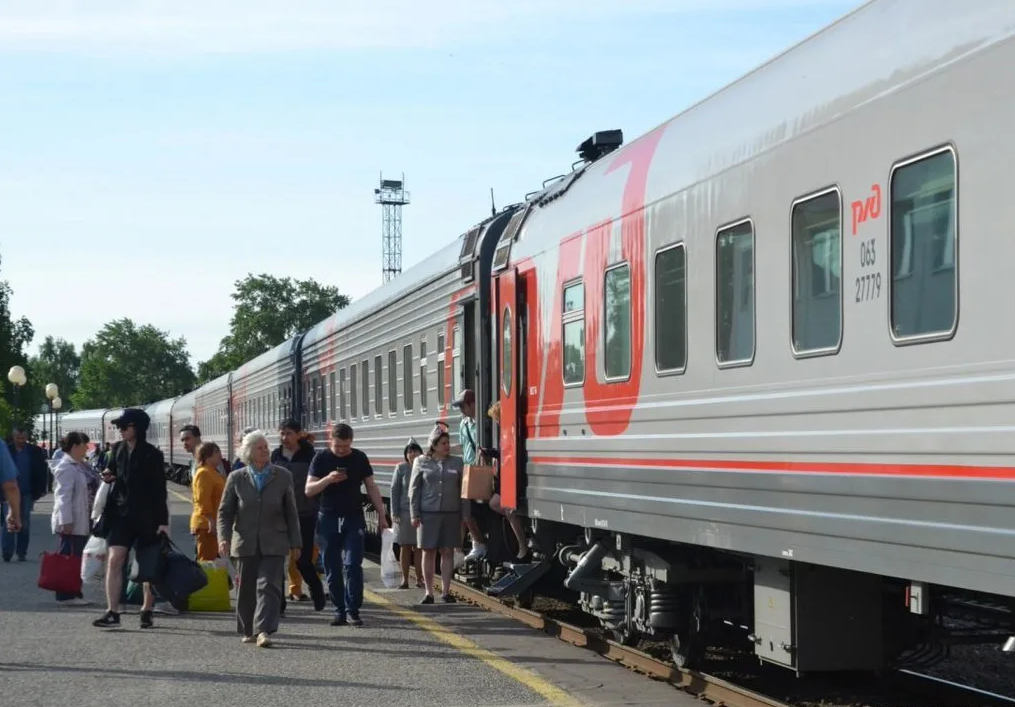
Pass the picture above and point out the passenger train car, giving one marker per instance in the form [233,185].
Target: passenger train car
[736,390]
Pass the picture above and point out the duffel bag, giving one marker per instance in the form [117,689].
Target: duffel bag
[181,576]
[214,596]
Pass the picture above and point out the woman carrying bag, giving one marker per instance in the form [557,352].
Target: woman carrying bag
[74,488]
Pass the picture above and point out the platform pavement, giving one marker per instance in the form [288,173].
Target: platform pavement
[405,655]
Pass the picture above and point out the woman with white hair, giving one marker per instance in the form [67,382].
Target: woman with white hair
[258,526]
[437,509]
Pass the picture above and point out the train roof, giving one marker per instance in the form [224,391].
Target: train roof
[272,355]
[160,407]
[214,384]
[433,267]
[82,414]
[874,50]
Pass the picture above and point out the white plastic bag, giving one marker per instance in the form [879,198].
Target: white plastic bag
[99,504]
[391,573]
[93,560]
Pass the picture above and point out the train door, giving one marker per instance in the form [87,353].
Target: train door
[511,408]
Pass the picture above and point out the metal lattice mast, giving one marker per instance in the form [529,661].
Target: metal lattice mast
[392,196]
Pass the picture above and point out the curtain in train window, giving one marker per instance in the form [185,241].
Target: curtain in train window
[923,225]
[817,273]
[617,308]
[734,297]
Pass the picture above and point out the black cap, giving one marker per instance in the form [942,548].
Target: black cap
[133,416]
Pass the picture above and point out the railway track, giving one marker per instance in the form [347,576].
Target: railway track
[924,689]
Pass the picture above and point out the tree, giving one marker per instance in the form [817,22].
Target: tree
[268,311]
[15,335]
[57,362]
[126,364]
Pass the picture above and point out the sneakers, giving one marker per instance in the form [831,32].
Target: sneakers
[248,639]
[263,640]
[147,620]
[354,618]
[448,599]
[164,607]
[110,619]
[478,551]
[428,599]
[340,621]
[77,601]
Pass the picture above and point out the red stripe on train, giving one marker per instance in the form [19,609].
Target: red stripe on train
[796,467]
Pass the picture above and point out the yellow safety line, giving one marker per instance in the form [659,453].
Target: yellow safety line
[180,496]
[553,694]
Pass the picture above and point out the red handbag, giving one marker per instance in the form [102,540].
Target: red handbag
[60,573]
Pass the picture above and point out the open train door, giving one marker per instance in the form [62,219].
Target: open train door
[509,337]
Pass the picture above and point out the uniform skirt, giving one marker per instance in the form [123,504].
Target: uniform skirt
[439,530]
[405,534]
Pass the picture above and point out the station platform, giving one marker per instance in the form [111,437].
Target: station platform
[404,655]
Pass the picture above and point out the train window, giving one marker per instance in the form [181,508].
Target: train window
[456,363]
[505,366]
[333,395]
[441,373]
[392,382]
[422,375]
[407,377]
[341,396]
[378,389]
[365,384]
[734,295]
[353,407]
[617,332]
[817,273]
[574,333]
[671,309]
[924,282]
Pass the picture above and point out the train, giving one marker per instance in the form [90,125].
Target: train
[737,395]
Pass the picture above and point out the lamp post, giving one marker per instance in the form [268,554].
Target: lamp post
[17,378]
[53,396]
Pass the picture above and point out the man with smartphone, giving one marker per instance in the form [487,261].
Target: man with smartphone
[336,475]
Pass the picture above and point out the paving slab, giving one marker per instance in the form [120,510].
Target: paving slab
[405,655]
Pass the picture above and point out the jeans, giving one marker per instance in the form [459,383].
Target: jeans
[308,529]
[341,542]
[71,545]
[7,539]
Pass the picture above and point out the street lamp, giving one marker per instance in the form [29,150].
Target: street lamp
[53,393]
[17,378]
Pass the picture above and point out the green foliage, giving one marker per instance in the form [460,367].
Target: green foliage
[126,364]
[268,311]
[15,335]
[57,362]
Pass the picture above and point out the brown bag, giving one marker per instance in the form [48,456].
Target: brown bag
[477,482]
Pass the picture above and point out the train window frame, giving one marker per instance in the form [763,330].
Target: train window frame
[422,375]
[575,316]
[392,382]
[507,348]
[826,350]
[665,372]
[341,396]
[333,394]
[353,396]
[935,336]
[408,398]
[364,374]
[441,371]
[378,386]
[724,228]
[457,382]
[624,265]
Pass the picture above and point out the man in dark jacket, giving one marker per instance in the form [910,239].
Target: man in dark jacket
[33,479]
[137,510]
[295,454]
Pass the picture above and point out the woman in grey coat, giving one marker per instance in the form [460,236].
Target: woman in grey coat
[437,509]
[405,533]
[257,527]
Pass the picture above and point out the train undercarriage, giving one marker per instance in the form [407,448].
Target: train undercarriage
[803,617]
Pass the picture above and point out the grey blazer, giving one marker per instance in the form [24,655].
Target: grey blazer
[436,487]
[400,491]
[264,523]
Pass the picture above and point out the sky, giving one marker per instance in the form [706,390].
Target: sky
[154,152]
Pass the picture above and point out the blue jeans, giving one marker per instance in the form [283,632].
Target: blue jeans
[71,545]
[341,542]
[7,538]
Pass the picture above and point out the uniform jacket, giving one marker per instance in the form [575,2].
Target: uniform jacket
[259,522]
[400,481]
[298,466]
[207,488]
[436,487]
[39,468]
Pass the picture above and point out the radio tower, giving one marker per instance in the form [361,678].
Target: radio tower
[391,195]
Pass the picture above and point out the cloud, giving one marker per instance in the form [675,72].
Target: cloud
[235,26]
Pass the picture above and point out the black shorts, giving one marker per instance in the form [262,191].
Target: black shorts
[124,532]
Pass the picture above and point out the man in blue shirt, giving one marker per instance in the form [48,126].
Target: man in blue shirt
[33,480]
[9,484]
